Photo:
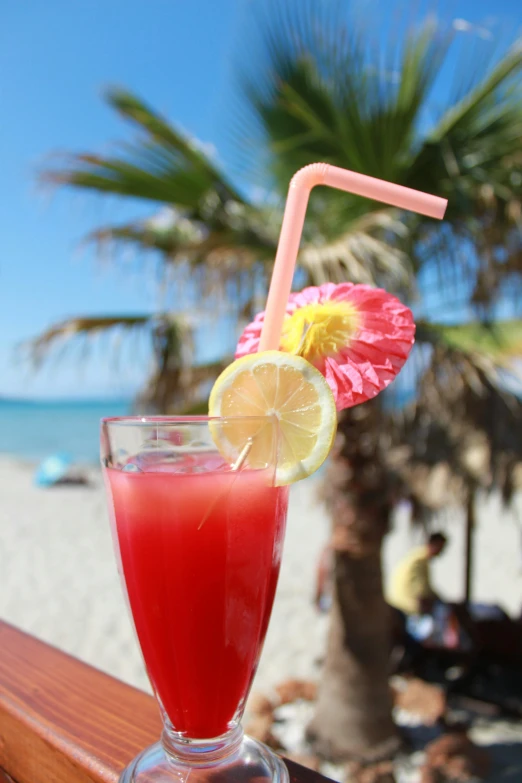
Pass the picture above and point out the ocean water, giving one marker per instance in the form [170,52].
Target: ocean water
[33,430]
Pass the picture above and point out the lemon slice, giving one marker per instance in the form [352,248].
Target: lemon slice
[268,384]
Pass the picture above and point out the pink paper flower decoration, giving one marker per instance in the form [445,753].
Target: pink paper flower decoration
[359,337]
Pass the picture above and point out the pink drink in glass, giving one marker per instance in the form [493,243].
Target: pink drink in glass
[200,554]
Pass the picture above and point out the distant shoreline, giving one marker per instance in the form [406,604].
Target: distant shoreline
[52,401]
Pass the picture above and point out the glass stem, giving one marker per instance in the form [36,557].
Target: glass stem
[200,752]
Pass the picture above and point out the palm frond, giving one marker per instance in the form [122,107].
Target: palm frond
[205,220]
[367,251]
[175,384]
[316,92]
[473,151]
[163,165]
[471,105]
[58,336]
[501,340]
[242,236]
[166,137]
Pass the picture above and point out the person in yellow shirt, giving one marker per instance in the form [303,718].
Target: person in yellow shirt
[410,587]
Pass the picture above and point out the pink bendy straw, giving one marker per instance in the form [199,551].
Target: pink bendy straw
[292,228]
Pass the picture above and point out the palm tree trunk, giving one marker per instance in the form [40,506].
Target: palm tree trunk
[353,714]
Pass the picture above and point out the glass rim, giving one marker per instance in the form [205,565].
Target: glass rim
[144,421]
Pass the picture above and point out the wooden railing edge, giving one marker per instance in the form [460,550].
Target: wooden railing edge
[64,721]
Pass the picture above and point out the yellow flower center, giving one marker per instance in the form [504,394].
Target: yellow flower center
[318,330]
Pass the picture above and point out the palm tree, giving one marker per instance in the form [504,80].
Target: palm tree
[315,93]
[320,96]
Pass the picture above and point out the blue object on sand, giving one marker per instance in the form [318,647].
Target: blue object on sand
[52,469]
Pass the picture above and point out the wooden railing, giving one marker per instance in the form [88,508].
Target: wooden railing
[62,721]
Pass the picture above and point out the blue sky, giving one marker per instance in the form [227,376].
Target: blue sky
[55,58]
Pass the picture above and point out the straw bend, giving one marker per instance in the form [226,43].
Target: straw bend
[310,176]
[369,187]
[293,220]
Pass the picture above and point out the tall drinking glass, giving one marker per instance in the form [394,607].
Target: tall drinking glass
[198,538]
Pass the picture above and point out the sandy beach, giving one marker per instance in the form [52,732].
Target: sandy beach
[59,578]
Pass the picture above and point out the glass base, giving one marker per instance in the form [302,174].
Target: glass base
[248,760]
